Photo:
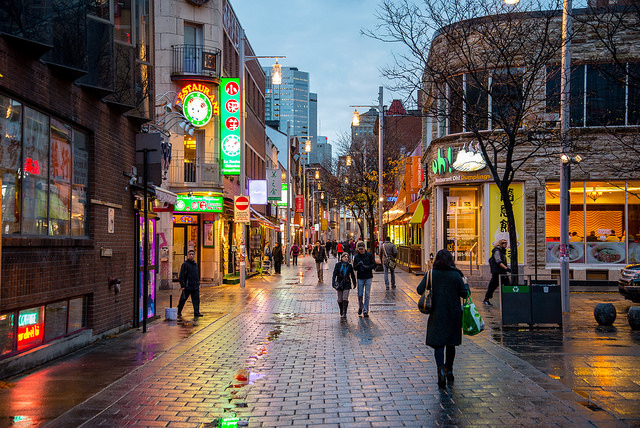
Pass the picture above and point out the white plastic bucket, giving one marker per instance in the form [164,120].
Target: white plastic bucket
[171,314]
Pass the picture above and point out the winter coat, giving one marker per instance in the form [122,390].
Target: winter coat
[339,246]
[189,275]
[295,250]
[498,255]
[444,326]
[319,254]
[388,251]
[364,264]
[277,254]
[343,276]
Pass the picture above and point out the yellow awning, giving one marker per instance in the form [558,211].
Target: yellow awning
[417,215]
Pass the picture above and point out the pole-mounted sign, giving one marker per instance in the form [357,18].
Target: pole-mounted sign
[230,125]
[241,211]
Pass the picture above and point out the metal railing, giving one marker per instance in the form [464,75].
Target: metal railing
[471,258]
[194,171]
[195,60]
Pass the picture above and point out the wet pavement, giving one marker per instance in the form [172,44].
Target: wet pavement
[276,353]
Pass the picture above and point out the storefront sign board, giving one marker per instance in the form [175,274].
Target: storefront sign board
[498,219]
[283,196]
[274,184]
[258,192]
[299,203]
[199,204]
[230,126]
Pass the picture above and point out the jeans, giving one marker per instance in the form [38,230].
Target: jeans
[364,289]
[343,295]
[319,270]
[386,276]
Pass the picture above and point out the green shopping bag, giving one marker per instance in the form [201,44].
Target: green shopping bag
[472,322]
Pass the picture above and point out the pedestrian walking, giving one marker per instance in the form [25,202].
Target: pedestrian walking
[352,248]
[363,264]
[327,247]
[319,254]
[444,326]
[277,257]
[388,254]
[334,249]
[339,250]
[499,266]
[190,284]
[295,252]
[343,280]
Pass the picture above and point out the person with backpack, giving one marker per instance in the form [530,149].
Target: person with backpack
[295,252]
[498,264]
[344,279]
[388,254]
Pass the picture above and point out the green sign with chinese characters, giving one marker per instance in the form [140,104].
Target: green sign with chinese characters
[199,204]
[230,143]
[283,198]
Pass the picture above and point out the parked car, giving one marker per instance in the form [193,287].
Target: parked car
[629,282]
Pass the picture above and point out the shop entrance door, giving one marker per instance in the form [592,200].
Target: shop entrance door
[184,238]
[463,224]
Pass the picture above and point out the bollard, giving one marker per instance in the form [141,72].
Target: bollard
[170,300]
[633,316]
[605,313]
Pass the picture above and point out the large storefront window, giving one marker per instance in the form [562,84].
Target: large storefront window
[44,186]
[633,231]
[462,222]
[598,222]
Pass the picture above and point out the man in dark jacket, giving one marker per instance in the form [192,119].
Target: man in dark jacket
[363,264]
[498,265]
[388,254]
[320,255]
[278,256]
[190,284]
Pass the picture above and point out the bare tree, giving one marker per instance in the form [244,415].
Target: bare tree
[479,68]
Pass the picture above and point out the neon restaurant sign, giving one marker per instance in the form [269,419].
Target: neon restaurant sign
[467,160]
[199,103]
[230,126]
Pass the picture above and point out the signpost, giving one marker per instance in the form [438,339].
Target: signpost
[241,211]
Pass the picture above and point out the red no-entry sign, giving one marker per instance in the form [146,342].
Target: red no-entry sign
[241,212]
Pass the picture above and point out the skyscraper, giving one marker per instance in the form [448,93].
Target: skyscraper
[289,101]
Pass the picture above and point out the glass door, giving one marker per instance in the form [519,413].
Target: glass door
[462,223]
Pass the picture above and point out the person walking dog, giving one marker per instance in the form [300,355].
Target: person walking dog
[343,280]
[190,284]
[444,327]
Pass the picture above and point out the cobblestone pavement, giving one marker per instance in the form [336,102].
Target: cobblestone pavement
[277,354]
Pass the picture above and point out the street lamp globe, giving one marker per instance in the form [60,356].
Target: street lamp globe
[276,74]
[317,176]
[356,118]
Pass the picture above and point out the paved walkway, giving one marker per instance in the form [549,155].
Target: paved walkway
[277,354]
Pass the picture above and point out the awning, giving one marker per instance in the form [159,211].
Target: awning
[417,214]
[256,216]
[163,195]
[403,219]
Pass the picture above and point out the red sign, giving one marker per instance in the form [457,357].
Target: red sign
[232,88]
[299,204]
[232,106]
[30,327]
[242,203]
[232,124]
[241,213]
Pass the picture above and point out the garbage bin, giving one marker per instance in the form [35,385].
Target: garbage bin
[546,304]
[515,302]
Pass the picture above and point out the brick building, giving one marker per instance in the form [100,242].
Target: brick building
[73,93]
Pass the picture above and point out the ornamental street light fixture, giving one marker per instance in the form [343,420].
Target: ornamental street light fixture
[243,103]
[356,122]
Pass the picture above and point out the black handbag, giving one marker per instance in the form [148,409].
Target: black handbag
[424,304]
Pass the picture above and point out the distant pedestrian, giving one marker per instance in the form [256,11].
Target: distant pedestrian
[327,247]
[190,284]
[334,248]
[277,257]
[339,250]
[363,264]
[295,252]
[388,254]
[444,326]
[343,280]
[320,256]
[498,265]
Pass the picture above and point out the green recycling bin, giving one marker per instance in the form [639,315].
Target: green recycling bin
[515,302]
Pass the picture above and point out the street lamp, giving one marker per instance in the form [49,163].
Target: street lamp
[356,122]
[565,172]
[243,103]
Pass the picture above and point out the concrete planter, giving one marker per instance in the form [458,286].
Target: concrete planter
[605,313]
[633,316]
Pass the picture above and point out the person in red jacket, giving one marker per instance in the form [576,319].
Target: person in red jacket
[295,252]
[339,250]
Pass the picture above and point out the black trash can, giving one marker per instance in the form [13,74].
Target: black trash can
[515,302]
[546,304]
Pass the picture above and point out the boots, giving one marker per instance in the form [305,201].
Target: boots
[442,381]
[345,304]
[341,309]
[449,373]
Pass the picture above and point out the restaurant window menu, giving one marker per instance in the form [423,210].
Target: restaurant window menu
[605,222]
[60,179]
[6,333]
[633,208]
[10,151]
[577,235]
[30,327]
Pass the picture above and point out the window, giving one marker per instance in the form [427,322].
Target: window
[506,98]
[6,333]
[633,82]
[605,95]
[633,228]
[456,97]
[477,113]
[44,187]
[56,320]
[122,20]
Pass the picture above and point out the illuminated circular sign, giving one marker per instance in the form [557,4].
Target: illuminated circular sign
[231,145]
[197,108]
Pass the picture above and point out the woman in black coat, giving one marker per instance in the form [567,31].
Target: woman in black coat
[344,279]
[444,327]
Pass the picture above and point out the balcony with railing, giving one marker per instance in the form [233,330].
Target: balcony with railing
[194,171]
[189,61]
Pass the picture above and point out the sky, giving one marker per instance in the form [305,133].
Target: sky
[322,37]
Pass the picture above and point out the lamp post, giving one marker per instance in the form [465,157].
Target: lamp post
[243,117]
[380,147]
